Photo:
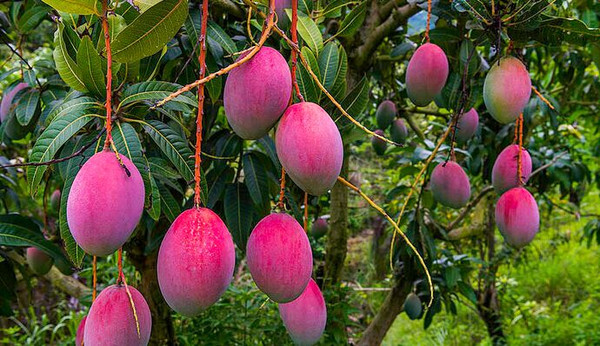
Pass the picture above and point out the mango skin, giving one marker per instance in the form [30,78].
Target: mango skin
[39,262]
[504,172]
[426,74]
[379,145]
[105,205]
[413,306]
[517,217]
[507,89]
[450,185]
[80,332]
[12,129]
[466,126]
[385,114]
[279,257]
[196,261]
[257,93]
[398,131]
[310,148]
[319,227]
[110,320]
[305,318]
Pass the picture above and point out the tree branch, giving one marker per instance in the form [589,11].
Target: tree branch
[396,18]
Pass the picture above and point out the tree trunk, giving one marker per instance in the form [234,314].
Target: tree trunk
[337,237]
[391,307]
[163,332]
[487,303]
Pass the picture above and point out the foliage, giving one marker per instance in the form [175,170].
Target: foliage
[64,62]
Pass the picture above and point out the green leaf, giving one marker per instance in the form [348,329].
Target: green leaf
[174,147]
[238,213]
[309,32]
[218,34]
[31,18]
[328,65]
[84,7]
[50,141]
[556,31]
[314,66]
[353,21]
[255,178]
[67,68]
[339,86]
[28,106]
[307,86]
[17,230]
[218,180]
[169,204]
[80,105]
[90,65]
[356,101]
[155,91]
[151,31]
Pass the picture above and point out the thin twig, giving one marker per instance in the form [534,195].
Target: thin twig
[62,159]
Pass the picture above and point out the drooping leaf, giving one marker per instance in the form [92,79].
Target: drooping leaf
[255,178]
[239,213]
[353,21]
[356,101]
[309,32]
[173,146]
[169,204]
[90,65]
[28,106]
[151,31]
[67,68]
[31,18]
[328,65]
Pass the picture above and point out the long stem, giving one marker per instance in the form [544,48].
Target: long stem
[202,60]
[108,74]
[294,33]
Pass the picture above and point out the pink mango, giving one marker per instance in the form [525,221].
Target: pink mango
[319,227]
[279,257]
[39,261]
[379,145]
[466,126]
[517,217]
[504,172]
[195,261]
[80,332]
[450,185]
[257,93]
[426,74]
[398,131]
[305,318]
[7,100]
[309,146]
[385,114]
[507,89]
[105,204]
[111,322]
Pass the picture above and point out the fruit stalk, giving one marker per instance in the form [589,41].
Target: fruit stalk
[294,33]
[105,28]
[202,60]
[520,155]
[428,20]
